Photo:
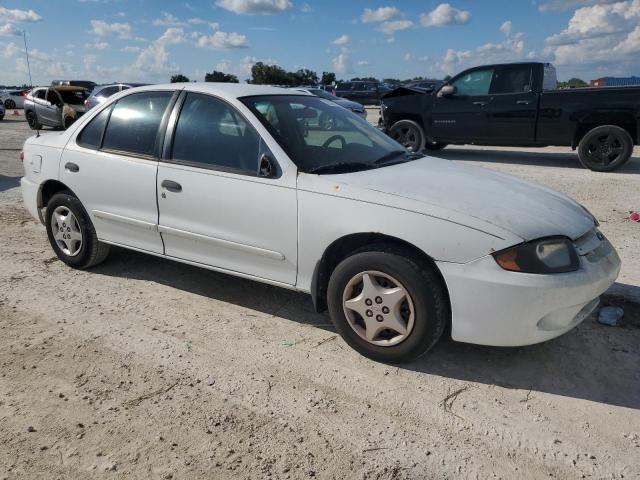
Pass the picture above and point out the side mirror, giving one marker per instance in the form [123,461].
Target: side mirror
[267,166]
[446,91]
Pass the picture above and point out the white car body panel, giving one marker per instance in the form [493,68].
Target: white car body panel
[276,230]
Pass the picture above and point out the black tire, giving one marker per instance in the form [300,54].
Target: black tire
[32,121]
[605,148]
[420,280]
[92,251]
[409,134]
[1,117]
[9,104]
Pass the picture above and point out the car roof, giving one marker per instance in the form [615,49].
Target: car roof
[228,90]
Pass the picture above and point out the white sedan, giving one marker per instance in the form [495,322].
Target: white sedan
[399,247]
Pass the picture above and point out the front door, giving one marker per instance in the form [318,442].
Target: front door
[215,208]
[463,116]
[47,109]
[113,170]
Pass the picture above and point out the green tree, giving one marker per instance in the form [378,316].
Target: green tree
[305,77]
[392,81]
[217,76]
[328,78]
[263,74]
[364,79]
[179,78]
[447,78]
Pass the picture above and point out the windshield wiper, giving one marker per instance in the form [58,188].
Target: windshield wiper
[330,167]
[389,156]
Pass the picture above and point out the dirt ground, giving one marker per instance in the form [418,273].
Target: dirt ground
[147,369]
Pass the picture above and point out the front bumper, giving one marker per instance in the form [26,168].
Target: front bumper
[491,306]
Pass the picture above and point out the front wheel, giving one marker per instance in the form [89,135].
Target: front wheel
[409,134]
[387,305]
[33,121]
[605,148]
[71,233]
[9,104]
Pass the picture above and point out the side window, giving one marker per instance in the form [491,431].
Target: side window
[516,79]
[474,83]
[211,133]
[41,94]
[108,91]
[135,121]
[53,98]
[91,135]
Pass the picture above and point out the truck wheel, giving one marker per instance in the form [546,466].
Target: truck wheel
[409,134]
[31,120]
[605,148]
[387,304]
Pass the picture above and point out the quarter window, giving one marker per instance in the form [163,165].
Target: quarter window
[135,121]
[91,135]
[474,83]
[211,133]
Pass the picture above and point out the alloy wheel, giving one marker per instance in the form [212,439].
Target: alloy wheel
[605,149]
[407,137]
[66,231]
[378,308]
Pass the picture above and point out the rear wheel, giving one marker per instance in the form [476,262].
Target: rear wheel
[9,104]
[605,148]
[409,134]
[71,232]
[387,305]
[33,121]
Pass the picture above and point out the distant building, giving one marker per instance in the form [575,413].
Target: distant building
[615,82]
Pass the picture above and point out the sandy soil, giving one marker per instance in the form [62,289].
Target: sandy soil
[146,369]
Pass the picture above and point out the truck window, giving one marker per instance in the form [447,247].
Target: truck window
[474,83]
[512,79]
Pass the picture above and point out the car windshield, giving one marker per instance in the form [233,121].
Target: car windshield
[322,137]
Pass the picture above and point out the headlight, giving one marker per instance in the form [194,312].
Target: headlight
[548,255]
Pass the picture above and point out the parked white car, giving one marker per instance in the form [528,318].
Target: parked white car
[12,98]
[398,246]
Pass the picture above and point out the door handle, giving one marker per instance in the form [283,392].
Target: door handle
[480,104]
[71,167]
[523,102]
[171,186]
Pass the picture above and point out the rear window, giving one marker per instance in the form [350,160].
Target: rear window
[73,97]
[107,91]
[135,121]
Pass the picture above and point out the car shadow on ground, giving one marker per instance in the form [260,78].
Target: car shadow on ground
[7,183]
[592,362]
[541,159]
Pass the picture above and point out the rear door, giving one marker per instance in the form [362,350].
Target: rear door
[514,106]
[111,165]
[464,116]
[215,208]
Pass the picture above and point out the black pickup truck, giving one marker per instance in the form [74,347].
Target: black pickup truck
[517,105]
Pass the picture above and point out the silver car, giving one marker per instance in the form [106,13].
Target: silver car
[355,107]
[54,106]
[101,92]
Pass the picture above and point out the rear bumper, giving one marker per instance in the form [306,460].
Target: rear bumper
[30,197]
[491,306]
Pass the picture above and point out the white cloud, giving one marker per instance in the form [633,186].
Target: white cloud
[97,45]
[16,15]
[196,21]
[506,27]
[155,58]
[341,40]
[131,49]
[560,5]
[342,64]
[395,26]
[168,20]
[102,29]
[444,14]
[8,50]
[603,36]
[306,8]
[381,14]
[223,40]
[363,63]
[255,7]
[8,30]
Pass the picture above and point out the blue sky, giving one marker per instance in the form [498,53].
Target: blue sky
[145,40]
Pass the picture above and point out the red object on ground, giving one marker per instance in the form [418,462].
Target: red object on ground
[15,113]
[634,217]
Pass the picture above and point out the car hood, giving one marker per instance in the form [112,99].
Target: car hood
[348,104]
[470,195]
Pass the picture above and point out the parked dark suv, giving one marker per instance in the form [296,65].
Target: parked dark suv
[367,93]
